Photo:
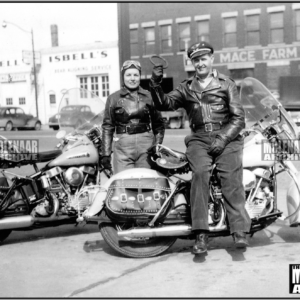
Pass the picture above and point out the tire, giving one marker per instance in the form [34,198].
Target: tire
[135,249]
[55,127]
[37,126]
[9,126]
[4,234]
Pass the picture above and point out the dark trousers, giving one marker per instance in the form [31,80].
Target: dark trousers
[229,166]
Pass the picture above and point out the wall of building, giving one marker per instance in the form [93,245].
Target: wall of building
[267,61]
[59,69]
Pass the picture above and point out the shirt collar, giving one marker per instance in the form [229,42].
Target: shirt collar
[125,91]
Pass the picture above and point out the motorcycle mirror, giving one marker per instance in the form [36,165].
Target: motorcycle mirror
[61,134]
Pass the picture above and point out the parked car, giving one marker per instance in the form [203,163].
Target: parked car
[71,116]
[12,117]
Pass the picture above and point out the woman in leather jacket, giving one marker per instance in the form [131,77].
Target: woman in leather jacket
[131,124]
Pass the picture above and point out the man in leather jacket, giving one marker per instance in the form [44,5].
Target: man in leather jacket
[132,122]
[216,118]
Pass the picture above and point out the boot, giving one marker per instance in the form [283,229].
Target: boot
[240,240]
[200,243]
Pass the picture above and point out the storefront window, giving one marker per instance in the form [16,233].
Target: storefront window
[93,84]
[166,38]
[252,29]
[105,86]
[184,36]
[276,27]
[230,32]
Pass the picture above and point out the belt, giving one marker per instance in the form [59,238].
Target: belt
[208,127]
[133,128]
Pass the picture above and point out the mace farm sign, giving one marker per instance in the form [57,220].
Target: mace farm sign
[252,55]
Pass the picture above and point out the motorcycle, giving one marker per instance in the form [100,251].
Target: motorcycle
[60,191]
[141,212]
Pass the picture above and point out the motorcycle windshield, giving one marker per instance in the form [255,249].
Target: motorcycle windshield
[260,105]
[80,110]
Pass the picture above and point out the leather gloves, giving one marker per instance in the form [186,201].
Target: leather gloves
[157,74]
[218,145]
[105,161]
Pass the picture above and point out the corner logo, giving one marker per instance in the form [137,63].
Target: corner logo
[294,279]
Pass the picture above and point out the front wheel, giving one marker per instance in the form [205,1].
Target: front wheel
[138,248]
[4,234]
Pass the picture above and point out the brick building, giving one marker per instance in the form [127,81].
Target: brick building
[250,39]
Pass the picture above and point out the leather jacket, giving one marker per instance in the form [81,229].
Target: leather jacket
[218,102]
[122,109]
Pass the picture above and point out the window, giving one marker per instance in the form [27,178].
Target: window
[22,101]
[95,85]
[19,111]
[105,86]
[134,49]
[297,24]
[83,86]
[98,84]
[230,32]
[166,38]
[149,41]
[252,30]
[276,27]
[203,30]
[52,99]
[184,36]
[9,101]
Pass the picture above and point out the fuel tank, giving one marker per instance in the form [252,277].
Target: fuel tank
[82,152]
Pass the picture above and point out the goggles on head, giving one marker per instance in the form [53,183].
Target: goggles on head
[128,63]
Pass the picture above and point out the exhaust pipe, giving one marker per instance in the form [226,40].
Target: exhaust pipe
[28,221]
[172,230]
[16,222]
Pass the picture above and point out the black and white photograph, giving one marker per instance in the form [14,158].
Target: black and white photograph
[150,150]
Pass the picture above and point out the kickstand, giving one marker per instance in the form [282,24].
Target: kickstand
[252,234]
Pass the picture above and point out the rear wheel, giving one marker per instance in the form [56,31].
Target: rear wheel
[136,248]
[4,234]
[55,127]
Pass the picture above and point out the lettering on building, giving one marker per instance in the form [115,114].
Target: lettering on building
[78,56]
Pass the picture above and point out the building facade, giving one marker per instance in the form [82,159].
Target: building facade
[261,40]
[94,67]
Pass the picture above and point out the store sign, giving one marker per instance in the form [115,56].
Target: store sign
[59,58]
[104,68]
[27,57]
[9,78]
[257,55]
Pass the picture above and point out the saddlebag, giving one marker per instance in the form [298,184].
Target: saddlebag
[136,198]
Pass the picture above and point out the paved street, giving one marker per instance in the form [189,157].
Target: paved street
[69,261]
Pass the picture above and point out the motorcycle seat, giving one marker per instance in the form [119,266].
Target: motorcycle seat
[47,155]
[171,159]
